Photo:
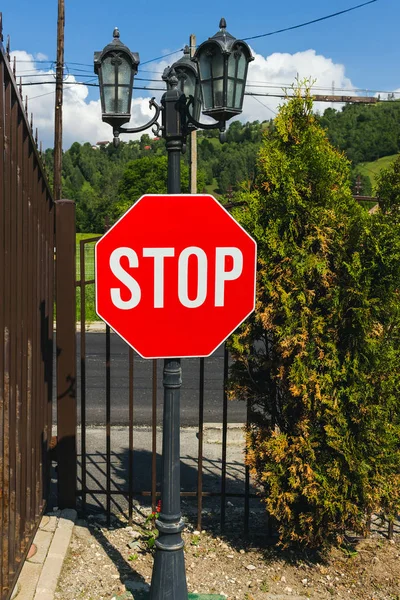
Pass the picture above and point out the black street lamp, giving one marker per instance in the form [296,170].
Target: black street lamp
[116,67]
[223,62]
[188,81]
[219,88]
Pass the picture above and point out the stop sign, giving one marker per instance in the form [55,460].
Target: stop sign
[175,276]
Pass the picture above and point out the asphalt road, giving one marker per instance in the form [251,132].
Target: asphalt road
[96,386]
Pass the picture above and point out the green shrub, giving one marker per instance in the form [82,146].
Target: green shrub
[319,359]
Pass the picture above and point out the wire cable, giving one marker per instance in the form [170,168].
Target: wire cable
[146,62]
[262,104]
[336,14]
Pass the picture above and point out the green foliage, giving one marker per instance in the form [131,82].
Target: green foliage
[98,177]
[90,314]
[365,133]
[373,169]
[146,175]
[319,360]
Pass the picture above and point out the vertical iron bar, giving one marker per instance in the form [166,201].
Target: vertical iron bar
[35,358]
[24,342]
[200,447]
[247,478]
[130,461]
[108,424]
[38,370]
[24,327]
[66,352]
[42,427]
[29,348]
[2,263]
[82,277]
[154,439]
[6,355]
[224,440]
[19,320]
[13,328]
[51,301]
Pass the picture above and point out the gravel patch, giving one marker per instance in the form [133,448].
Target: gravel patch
[105,563]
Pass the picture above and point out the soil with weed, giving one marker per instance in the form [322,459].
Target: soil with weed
[116,562]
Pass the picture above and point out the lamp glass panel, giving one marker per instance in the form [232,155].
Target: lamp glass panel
[242,66]
[232,65]
[205,65]
[207,95]
[124,70]
[109,98]
[218,92]
[108,70]
[218,64]
[123,100]
[239,94]
[231,91]
[198,103]
[189,83]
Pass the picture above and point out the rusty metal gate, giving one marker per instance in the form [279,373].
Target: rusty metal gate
[26,329]
[110,457]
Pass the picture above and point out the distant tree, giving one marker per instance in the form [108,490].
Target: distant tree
[148,175]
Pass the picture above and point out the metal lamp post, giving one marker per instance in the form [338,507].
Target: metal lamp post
[223,62]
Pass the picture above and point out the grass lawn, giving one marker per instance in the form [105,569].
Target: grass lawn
[211,188]
[89,274]
[372,169]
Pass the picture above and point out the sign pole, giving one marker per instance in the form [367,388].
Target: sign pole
[169,575]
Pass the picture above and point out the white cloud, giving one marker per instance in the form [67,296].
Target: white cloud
[82,116]
[272,74]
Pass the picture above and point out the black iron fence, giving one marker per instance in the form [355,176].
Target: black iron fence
[110,458]
[26,329]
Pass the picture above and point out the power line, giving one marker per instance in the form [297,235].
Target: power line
[254,37]
[41,95]
[30,83]
[260,85]
[336,14]
[164,56]
[265,105]
[155,89]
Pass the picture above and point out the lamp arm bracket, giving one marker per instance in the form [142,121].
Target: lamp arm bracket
[221,125]
[152,104]
[158,129]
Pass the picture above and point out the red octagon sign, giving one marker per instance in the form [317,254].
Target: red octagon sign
[175,276]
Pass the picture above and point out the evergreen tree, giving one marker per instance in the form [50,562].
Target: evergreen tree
[319,359]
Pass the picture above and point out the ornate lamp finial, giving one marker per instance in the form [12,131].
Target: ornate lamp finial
[116,34]
[222,23]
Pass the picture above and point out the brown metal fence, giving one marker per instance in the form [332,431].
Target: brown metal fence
[26,329]
[103,486]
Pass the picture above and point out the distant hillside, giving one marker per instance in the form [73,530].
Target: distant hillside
[103,180]
[364,133]
[372,169]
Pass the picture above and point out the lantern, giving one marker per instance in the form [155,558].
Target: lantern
[116,67]
[223,62]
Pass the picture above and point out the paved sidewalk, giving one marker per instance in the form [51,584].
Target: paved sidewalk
[40,573]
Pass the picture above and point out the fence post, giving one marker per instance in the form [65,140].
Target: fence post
[66,352]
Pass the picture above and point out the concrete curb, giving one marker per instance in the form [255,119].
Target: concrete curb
[53,563]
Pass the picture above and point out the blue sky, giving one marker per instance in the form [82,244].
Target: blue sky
[365,41]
